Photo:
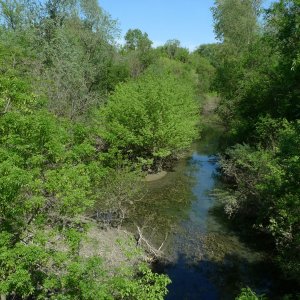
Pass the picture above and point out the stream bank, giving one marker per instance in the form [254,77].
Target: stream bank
[203,257]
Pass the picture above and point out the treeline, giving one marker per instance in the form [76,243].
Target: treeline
[80,118]
[258,78]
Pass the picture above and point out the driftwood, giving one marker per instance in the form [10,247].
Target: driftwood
[154,252]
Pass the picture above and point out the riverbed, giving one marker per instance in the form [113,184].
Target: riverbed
[202,256]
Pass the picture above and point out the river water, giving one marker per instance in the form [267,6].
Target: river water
[203,257]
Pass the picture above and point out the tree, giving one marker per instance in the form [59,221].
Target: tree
[236,59]
[259,85]
[11,12]
[151,117]
[235,21]
[75,74]
[49,174]
[205,71]
[70,49]
[173,50]
[138,51]
[282,32]
[136,40]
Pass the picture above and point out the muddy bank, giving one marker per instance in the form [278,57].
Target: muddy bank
[155,176]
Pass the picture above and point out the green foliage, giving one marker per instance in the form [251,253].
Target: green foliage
[136,40]
[147,286]
[72,79]
[248,294]
[185,73]
[68,50]
[35,271]
[267,191]
[283,33]
[236,21]
[172,50]
[205,71]
[138,51]
[14,96]
[252,80]
[259,85]
[210,52]
[49,178]
[151,117]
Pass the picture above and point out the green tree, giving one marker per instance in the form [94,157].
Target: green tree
[136,40]
[205,71]
[173,50]
[138,51]
[151,117]
[282,32]
[236,21]
[49,174]
[259,85]
[71,53]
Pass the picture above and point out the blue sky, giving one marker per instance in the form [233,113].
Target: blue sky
[189,21]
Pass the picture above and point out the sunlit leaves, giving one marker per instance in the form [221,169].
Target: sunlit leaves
[151,117]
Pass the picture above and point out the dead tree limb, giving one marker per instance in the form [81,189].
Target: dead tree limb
[155,252]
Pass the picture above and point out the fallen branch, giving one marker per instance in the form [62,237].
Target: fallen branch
[155,252]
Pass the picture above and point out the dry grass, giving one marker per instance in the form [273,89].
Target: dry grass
[117,247]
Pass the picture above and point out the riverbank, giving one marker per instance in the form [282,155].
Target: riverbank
[205,258]
[117,247]
[155,176]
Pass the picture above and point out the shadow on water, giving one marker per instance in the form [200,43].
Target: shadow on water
[205,258]
[212,280]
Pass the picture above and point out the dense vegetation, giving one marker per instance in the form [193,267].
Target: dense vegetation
[80,118]
[151,117]
[257,76]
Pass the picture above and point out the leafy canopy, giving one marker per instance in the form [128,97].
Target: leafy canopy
[151,117]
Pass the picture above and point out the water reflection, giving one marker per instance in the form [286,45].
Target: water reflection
[205,260]
[165,206]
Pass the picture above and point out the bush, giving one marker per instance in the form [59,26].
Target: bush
[248,294]
[152,117]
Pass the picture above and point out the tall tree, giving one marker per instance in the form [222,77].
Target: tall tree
[152,117]
[173,50]
[236,26]
[236,21]
[137,40]
[259,85]
[138,51]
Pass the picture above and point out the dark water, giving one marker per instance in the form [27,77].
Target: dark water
[204,258]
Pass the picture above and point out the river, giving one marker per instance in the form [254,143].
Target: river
[205,259]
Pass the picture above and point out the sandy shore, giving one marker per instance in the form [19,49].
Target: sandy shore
[156,176]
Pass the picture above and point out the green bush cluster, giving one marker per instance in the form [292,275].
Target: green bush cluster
[152,117]
[258,80]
